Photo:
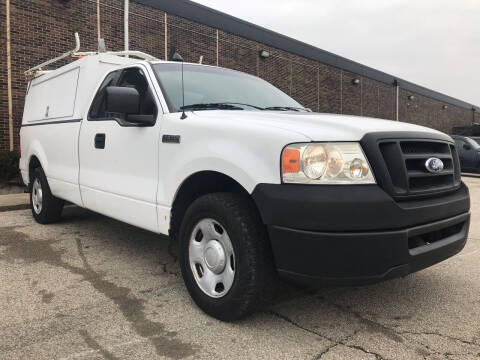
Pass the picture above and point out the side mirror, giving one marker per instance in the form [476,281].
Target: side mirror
[141,120]
[122,100]
[467,146]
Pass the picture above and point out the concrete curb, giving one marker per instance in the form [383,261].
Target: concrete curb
[14,207]
[13,202]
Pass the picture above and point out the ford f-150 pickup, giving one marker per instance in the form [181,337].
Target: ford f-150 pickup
[250,183]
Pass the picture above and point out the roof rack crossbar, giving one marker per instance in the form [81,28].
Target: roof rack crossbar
[38,69]
[138,54]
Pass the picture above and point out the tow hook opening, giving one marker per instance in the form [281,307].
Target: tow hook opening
[434,236]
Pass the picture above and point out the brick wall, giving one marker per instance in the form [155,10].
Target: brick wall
[42,29]
[429,112]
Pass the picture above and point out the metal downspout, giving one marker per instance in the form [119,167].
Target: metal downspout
[398,97]
[9,78]
[125,26]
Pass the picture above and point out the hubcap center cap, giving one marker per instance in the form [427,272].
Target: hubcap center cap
[214,256]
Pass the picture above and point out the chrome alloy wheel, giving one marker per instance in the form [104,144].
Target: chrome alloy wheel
[37,196]
[211,257]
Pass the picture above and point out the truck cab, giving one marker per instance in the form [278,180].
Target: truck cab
[250,183]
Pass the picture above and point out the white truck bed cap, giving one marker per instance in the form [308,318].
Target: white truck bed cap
[62,94]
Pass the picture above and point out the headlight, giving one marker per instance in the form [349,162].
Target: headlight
[326,163]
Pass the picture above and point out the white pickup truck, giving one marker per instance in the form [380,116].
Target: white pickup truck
[252,184]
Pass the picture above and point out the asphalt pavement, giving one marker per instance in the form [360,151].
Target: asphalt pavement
[91,287]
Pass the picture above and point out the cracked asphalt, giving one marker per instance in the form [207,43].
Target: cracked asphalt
[93,288]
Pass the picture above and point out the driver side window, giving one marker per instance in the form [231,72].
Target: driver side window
[98,110]
[135,78]
[132,78]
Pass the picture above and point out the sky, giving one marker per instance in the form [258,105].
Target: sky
[433,43]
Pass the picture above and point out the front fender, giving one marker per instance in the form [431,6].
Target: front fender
[248,178]
[248,153]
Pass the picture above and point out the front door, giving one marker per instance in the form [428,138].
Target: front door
[119,160]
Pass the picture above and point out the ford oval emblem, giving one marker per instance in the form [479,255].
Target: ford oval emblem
[434,165]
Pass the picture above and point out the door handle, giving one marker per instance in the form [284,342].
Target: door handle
[99,141]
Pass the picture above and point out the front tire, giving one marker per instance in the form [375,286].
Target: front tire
[225,257]
[45,207]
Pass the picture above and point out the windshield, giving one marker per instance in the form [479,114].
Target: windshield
[208,88]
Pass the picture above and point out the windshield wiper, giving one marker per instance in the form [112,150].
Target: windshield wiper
[236,106]
[211,106]
[243,104]
[285,108]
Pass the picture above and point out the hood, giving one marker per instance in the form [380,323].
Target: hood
[315,126]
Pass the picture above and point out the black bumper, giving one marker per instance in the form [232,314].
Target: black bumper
[358,234]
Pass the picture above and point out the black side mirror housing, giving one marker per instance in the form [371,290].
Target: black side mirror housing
[123,100]
[467,146]
[141,120]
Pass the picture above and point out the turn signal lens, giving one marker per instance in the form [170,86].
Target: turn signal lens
[290,161]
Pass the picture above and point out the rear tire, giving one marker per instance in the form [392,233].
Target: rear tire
[45,207]
[227,236]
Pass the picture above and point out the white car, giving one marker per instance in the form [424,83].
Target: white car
[252,184]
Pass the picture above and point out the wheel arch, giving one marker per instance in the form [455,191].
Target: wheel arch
[197,185]
[33,163]
[36,158]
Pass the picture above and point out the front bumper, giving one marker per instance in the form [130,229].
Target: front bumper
[358,234]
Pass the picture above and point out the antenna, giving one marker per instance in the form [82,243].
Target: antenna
[178,57]
[184,116]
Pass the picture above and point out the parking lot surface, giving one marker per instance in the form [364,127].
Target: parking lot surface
[90,287]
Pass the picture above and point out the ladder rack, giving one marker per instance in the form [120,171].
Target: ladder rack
[38,69]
